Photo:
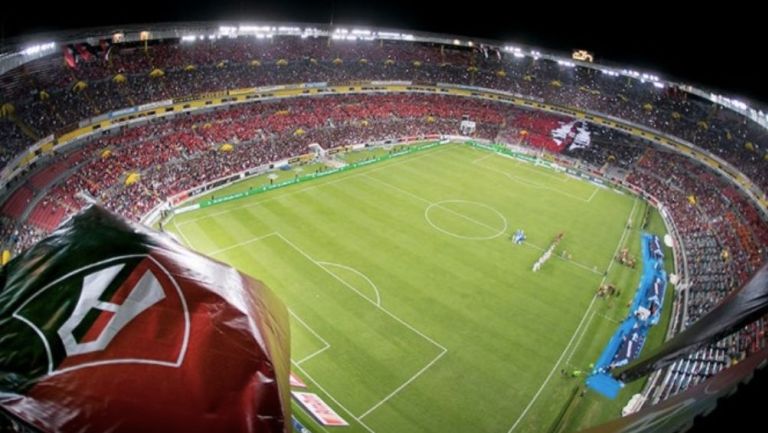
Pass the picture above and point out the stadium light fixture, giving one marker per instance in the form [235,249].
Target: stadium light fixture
[389,35]
[583,55]
[739,104]
[309,31]
[650,77]
[40,48]
[518,55]
[248,29]
[658,85]
[456,42]
[189,38]
[225,30]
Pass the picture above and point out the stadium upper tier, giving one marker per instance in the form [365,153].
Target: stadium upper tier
[722,234]
[47,96]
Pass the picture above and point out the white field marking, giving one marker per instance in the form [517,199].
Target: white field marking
[309,188]
[530,184]
[610,319]
[408,193]
[320,387]
[527,166]
[573,262]
[621,241]
[312,355]
[571,366]
[443,350]
[438,204]
[551,372]
[213,253]
[581,323]
[183,236]
[594,193]
[483,158]
[499,232]
[326,346]
[353,270]
[399,388]
[592,316]
[616,251]
[594,313]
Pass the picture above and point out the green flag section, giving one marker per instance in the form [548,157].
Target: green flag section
[107,325]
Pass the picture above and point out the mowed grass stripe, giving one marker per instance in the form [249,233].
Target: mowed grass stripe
[504,326]
[221,210]
[360,335]
[483,185]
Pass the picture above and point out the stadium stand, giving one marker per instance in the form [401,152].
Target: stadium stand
[221,64]
[723,235]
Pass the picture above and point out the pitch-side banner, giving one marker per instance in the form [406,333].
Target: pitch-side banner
[109,326]
[319,409]
[738,309]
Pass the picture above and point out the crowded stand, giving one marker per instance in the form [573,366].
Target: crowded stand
[175,155]
[166,69]
[724,247]
[722,233]
[13,142]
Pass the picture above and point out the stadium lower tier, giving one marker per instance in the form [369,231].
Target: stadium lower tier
[131,171]
[45,96]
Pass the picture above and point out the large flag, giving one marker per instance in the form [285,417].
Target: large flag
[83,50]
[572,135]
[69,56]
[105,47]
[107,325]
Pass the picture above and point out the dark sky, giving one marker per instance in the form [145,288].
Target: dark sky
[716,45]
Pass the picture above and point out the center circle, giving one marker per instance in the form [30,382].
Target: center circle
[466,219]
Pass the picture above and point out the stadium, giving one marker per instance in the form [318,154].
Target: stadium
[466,235]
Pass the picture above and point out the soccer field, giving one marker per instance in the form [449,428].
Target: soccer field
[412,311]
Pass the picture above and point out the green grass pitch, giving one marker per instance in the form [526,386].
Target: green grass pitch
[412,311]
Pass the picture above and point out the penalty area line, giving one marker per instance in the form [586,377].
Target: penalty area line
[578,328]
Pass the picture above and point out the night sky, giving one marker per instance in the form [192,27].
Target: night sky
[717,47]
